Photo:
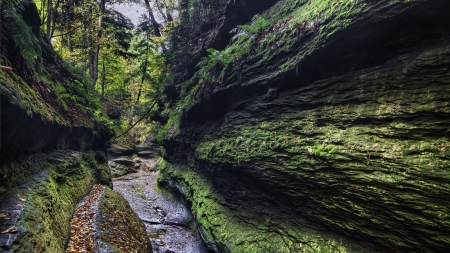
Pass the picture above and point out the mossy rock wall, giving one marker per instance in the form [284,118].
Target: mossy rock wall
[29,124]
[40,208]
[337,141]
[45,104]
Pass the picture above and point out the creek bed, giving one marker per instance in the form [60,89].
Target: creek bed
[166,218]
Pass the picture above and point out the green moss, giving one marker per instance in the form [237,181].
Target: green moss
[50,205]
[49,186]
[384,149]
[21,94]
[242,230]
[364,141]
[116,219]
[172,126]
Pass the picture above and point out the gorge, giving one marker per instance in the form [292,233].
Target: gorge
[284,126]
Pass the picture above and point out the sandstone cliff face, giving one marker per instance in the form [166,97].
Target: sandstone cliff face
[331,137]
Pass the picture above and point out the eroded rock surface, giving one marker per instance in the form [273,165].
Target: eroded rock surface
[167,218]
[35,216]
[332,136]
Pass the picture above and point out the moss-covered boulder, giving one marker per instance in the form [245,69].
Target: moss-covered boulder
[324,129]
[105,222]
[121,228]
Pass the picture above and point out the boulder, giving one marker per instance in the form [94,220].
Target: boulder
[123,161]
[148,154]
[118,151]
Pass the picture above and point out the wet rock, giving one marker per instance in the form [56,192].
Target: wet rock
[106,217]
[117,151]
[118,170]
[180,216]
[116,218]
[167,238]
[153,208]
[123,161]
[146,147]
[27,221]
[148,154]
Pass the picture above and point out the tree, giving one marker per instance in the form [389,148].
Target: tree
[93,63]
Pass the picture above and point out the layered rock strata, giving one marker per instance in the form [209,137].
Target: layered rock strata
[334,136]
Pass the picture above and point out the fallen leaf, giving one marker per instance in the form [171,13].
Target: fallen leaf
[443,148]
[21,199]
[9,230]
[2,215]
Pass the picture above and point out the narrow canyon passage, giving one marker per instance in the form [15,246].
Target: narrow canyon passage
[98,227]
[166,218]
[225,126]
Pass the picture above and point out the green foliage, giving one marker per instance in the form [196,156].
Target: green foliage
[170,128]
[258,26]
[27,98]
[20,32]
[207,63]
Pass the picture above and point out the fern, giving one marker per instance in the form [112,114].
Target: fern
[240,33]
[20,32]
[258,26]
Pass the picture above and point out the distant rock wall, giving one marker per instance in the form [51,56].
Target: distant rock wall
[333,137]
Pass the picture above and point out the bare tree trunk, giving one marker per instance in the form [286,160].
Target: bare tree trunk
[154,23]
[144,69]
[55,16]
[166,15]
[90,42]
[70,47]
[103,77]
[49,17]
[96,49]
[184,5]
[67,14]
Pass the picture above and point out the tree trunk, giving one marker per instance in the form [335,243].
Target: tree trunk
[67,15]
[49,17]
[143,78]
[96,47]
[155,24]
[166,15]
[184,5]
[103,77]
[90,44]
